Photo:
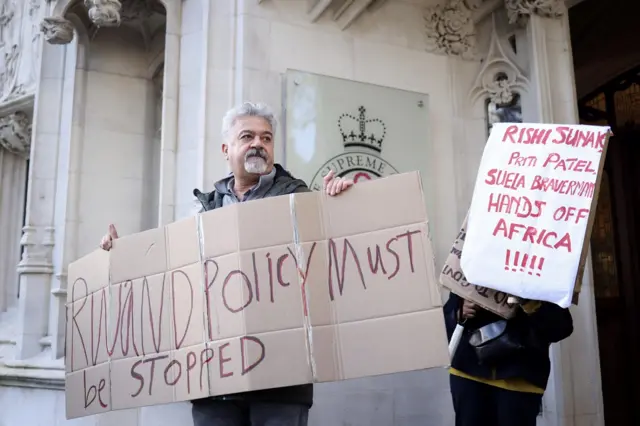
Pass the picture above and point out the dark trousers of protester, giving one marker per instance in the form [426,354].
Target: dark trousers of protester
[478,404]
[240,413]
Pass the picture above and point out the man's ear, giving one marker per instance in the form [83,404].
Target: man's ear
[225,151]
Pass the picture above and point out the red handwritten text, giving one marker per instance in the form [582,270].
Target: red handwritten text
[563,186]
[580,138]
[533,235]
[556,162]
[522,161]
[526,135]
[521,206]
[94,392]
[570,213]
[509,180]
[170,371]
[562,135]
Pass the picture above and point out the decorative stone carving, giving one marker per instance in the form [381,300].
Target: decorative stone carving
[7,12]
[35,259]
[9,50]
[500,89]
[37,243]
[28,242]
[500,77]
[104,13]
[519,11]
[15,133]
[450,29]
[57,30]
[19,47]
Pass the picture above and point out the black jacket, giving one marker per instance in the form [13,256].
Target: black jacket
[549,324]
[283,184]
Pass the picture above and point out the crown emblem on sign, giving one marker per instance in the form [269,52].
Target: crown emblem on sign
[361,131]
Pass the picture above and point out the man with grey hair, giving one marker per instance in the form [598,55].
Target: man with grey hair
[248,137]
[248,132]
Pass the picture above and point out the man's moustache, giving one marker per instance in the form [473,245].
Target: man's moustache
[256,153]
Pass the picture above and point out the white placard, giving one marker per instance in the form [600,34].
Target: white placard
[531,207]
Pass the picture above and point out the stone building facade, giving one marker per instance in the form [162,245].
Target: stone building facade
[110,112]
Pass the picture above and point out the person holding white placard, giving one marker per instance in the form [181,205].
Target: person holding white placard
[500,369]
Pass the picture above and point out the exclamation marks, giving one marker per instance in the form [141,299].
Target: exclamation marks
[532,264]
[540,263]
[536,267]
[524,263]
[506,260]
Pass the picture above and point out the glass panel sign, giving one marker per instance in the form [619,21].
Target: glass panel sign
[361,131]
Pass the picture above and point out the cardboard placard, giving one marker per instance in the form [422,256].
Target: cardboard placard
[453,278]
[276,292]
[533,208]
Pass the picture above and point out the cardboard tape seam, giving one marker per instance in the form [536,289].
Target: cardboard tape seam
[335,322]
[205,297]
[110,304]
[301,268]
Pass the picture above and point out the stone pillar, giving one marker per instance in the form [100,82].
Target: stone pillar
[224,83]
[15,141]
[574,392]
[66,215]
[181,157]
[169,118]
[36,266]
[206,86]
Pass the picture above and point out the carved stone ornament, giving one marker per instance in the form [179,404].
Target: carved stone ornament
[519,11]
[19,47]
[450,29]
[15,133]
[38,248]
[57,30]
[500,77]
[500,89]
[104,13]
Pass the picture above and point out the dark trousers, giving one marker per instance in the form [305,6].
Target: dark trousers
[240,413]
[477,404]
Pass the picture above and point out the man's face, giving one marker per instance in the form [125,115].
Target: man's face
[249,146]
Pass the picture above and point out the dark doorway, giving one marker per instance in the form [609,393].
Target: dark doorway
[615,246]
[607,71]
